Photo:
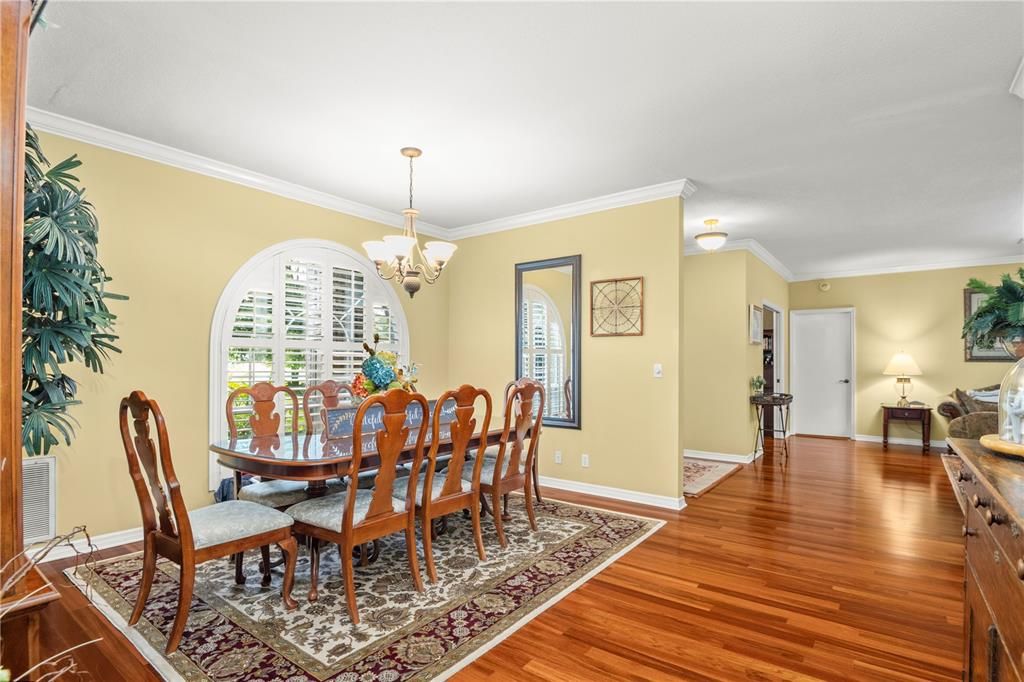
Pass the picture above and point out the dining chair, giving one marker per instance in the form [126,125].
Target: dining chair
[357,516]
[189,538]
[448,492]
[330,397]
[492,452]
[512,468]
[265,422]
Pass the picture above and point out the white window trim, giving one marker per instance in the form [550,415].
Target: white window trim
[225,306]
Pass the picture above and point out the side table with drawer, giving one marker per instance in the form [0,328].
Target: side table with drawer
[914,412]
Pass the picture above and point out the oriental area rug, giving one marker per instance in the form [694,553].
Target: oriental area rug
[701,475]
[242,632]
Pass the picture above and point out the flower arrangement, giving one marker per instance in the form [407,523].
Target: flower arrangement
[381,372]
[757,384]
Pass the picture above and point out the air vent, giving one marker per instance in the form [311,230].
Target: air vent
[39,492]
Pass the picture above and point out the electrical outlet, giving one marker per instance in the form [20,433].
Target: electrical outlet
[558,456]
[657,370]
[585,460]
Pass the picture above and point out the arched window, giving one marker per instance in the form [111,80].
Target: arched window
[543,347]
[297,314]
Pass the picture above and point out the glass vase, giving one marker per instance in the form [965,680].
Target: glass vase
[1011,405]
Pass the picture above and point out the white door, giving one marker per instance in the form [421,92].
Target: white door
[821,368]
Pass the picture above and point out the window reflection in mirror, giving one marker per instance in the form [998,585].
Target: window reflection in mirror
[548,299]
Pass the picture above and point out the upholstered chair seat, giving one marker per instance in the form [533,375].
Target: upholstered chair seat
[326,512]
[487,470]
[229,521]
[402,485]
[281,494]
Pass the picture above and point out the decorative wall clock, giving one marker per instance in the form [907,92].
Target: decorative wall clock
[617,307]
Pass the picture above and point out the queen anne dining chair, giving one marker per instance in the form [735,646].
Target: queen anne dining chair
[357,516]
[449,491]
[189,538]
[330,397]
[265,422]
[511,468]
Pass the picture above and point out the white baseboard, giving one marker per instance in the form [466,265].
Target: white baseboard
[940,444]
[104,541]
[621,494]
[723,456]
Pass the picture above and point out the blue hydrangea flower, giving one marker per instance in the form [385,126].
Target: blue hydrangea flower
[378,371]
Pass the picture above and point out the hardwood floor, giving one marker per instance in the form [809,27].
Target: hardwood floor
[847,563]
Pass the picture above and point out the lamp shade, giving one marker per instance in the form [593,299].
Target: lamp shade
[902,365]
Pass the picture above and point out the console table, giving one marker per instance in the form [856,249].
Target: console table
[992,487]
[911,413]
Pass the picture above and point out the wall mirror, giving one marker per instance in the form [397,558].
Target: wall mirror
[548,334]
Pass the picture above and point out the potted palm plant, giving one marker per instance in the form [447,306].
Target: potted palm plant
[1000,318]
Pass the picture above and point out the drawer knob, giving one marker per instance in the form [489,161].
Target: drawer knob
[993,518]
[978,502]
[970,532]
[1020,568]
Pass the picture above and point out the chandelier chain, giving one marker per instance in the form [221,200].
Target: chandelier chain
[410,182]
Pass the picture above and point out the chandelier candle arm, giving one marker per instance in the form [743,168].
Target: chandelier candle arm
[400,258]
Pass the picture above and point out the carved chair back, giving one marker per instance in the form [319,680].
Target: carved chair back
[390,442]
[329,391]
[521,431]
[263,420]
[152,470]
[462,428]
[568,398]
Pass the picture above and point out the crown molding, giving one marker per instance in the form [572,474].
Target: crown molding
[677,188]
[754,247]
[154,151]
[947,265]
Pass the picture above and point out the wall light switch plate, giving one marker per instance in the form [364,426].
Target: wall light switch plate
[558,456]
[585,460]
[657,370]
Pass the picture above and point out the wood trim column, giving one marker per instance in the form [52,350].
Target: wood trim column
[14,30]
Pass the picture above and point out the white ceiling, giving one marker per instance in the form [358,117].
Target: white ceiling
[840,136]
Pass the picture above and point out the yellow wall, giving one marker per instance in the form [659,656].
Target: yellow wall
[629,418]
[718,358]
[714,352]
[171,239]
[764,284]
[919,312]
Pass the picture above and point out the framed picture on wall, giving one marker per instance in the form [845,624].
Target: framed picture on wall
[972,300]
[756,324]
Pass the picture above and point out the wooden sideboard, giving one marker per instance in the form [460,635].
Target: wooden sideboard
[993,488]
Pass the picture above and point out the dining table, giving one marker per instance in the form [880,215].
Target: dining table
[315,458]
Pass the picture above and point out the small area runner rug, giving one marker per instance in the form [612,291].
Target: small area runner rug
[242,632]
[701,475]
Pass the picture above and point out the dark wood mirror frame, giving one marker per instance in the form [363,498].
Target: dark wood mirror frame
[574,262]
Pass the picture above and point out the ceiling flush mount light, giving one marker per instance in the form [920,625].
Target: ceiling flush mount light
[711,239]
[400,258]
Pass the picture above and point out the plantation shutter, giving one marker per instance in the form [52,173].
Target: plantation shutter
[299,318]
[543,343]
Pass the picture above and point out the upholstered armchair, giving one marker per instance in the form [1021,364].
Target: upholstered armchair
[958,403]
[974,425]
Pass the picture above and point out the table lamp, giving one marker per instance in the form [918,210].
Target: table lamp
[902,366]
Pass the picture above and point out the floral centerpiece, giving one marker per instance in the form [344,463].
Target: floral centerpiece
[381,372]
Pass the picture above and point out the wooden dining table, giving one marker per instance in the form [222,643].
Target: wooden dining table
[315,458]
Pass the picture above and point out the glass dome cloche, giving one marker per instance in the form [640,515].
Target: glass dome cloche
[1011,405]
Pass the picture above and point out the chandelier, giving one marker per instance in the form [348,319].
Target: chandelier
[400,258]
[711,238]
